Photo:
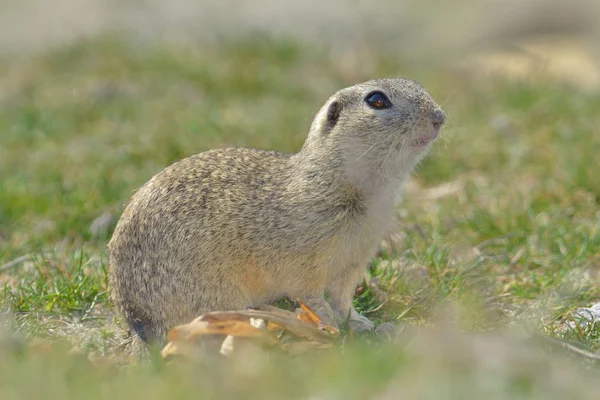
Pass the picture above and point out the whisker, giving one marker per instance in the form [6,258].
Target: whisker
[450,97]
[366,151]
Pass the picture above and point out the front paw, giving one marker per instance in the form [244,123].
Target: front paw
[359,323]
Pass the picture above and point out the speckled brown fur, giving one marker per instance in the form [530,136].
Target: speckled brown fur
[237,227]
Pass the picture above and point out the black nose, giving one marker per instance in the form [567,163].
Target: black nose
[438,118]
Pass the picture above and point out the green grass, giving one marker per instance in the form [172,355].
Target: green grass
[502,219]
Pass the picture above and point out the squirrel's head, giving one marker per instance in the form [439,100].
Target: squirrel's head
[380,126]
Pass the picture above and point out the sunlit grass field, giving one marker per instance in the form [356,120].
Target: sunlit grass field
[498,231]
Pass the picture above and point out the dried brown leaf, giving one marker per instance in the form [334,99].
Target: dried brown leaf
[268,325]
[223,327]
[283,318]
[308,315]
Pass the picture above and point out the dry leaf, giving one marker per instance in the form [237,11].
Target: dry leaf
[308,315]
[267,325]
[224,327]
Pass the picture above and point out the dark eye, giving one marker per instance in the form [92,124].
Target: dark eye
[378,100]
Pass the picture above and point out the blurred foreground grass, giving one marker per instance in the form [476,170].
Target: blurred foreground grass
[436,365]
[502,219]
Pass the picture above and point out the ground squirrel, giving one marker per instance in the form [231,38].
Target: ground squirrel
[233,228]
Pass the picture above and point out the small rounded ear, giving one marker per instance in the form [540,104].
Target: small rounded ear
[333,114]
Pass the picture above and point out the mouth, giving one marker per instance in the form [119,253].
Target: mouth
[427,139]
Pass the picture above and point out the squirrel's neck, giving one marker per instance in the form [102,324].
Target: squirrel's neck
[327,172]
